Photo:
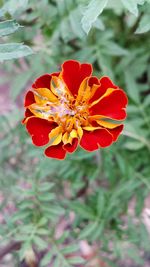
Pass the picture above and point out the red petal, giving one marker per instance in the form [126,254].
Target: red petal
[105,83]
[44,81]
[111,106]
[93,80]
[71,147]
[56,152]
[29,99]
[116,132]
[73,73]
[39,130]
[27,114]
[93,140]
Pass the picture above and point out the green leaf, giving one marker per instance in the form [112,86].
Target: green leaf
[76,260]
[46,187]
[144,25]
[58,262]
[89,230]
[46,259]
[19,83]
[98,24]
[42,222]
[114,49]
[40,242]
[46,197]
[93,10]
[83,210]
[14,50]
[15,7]
[8,27]
[131,5]
[133,145]
[70,249]
[21,215]
[132,87]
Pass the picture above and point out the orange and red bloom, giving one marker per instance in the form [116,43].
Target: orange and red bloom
[72,108]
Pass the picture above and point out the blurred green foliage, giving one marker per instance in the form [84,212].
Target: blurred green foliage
[101,185]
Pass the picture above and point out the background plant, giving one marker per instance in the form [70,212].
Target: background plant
[99,197]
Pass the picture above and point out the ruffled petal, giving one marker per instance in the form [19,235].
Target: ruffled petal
[115,132]
[105,83]
[55,136]
[107,124]
[39,130]
[44,81]
[29,99]
[73,73]
[112,105]
[93,140]
[87,89]
[56,152]
[71,147]
[27,114]
[42,95]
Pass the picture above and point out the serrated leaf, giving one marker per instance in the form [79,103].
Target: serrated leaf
[76,260]
[69,249]
[74,19]
[131,5]
[133,90]
[112,48]
[13,51]
[25,246]
[26,204]
[83,211]
[7,27]
[57,262]
[53,210]
[40,242]
[98,24]
[15,7]
[133,145]
[22,215]
[88,230]
[41,231]
[46,186]
[92,11]
[42,222]
[46,197]
[144,25]
[46,259]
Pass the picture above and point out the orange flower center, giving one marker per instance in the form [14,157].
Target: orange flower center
[60,106]
[68,114]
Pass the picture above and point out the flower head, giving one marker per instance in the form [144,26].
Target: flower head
[71,108]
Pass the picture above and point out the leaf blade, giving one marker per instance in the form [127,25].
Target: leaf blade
[13,51]
[93,10]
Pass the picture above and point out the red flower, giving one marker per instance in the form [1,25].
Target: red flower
[71,108]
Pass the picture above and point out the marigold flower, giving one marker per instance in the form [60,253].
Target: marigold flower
[72,108]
